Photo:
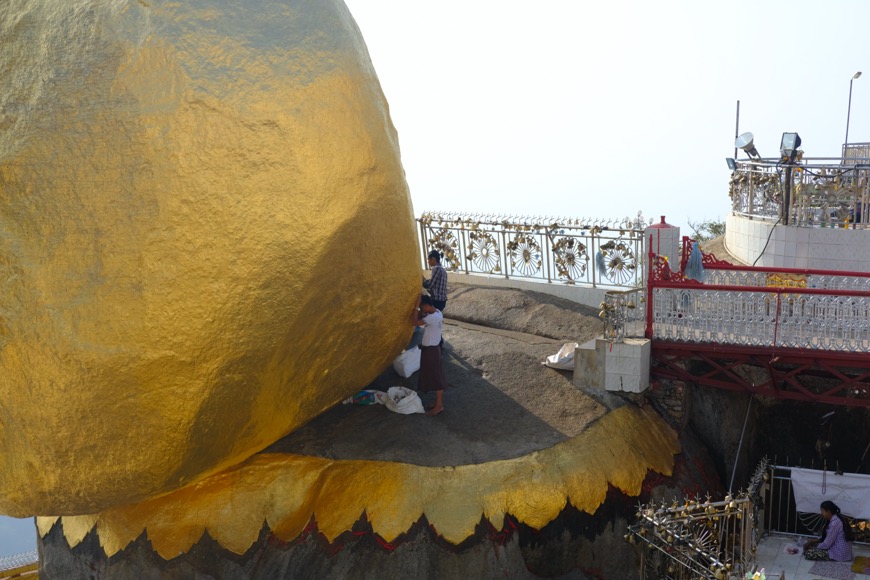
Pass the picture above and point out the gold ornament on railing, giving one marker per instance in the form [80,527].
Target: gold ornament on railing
[525,254]
[571,258]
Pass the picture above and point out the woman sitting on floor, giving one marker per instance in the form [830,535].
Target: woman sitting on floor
[836,541]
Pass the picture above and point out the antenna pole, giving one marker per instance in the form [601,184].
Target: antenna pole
[736,128]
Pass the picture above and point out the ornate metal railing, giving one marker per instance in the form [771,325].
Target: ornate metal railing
[818,279]
[758,317]
[719,273]
[607,253]
[700,539]
[760,307]
[624,314]
[781,515]
[821,192]
[855,153]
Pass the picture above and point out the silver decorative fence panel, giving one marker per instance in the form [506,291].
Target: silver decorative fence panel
[746,317]
[608,253]
[724,277]
[624,314]
[823,192]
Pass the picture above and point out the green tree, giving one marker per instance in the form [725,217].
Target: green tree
[707,229]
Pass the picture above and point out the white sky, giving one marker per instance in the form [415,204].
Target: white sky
[601,109]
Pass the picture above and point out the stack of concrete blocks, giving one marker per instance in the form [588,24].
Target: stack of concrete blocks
[613,366]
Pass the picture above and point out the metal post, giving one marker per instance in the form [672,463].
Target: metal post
[424,240]
[848,117]
[549,257]
[786,203]
[736,129]
[505,252]
[594,256]
[740,443]
[849,113]
[649,297]
[751,193]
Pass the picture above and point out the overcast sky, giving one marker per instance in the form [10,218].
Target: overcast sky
[604,109]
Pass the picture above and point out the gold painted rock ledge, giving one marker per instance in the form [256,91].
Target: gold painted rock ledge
[287,491]
[517,439]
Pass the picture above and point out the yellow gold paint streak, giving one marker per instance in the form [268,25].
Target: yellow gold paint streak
[206,239]
[287,490]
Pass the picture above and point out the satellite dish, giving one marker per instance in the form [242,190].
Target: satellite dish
[746,142]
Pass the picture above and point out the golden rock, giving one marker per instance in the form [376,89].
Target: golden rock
[206,239]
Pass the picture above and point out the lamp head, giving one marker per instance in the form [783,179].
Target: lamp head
[856,75]
[746,141]
[788,147]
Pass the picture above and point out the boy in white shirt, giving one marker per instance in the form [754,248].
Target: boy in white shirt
[431,376]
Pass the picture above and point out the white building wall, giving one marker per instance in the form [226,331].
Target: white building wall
[797,247]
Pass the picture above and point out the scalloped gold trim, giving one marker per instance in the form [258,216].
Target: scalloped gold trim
[287,490]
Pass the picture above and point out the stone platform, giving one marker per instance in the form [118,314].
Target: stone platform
[501,402]
[522,465]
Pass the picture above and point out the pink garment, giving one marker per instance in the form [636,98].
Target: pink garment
[835,542]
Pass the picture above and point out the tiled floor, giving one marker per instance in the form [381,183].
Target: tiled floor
[778,564]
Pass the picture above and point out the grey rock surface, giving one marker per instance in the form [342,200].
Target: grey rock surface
[529,312]
[501,402]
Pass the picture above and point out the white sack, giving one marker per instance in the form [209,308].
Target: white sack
[403,400]
[564,359]
[407,363]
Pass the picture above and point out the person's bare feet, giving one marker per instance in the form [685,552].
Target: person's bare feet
[435,411]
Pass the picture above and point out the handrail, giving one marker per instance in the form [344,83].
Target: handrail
[598,253]
[761,289]
[814,192]
[827,310]
[619,310]
[711,262]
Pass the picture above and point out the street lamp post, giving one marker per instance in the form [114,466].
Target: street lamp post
[849,111]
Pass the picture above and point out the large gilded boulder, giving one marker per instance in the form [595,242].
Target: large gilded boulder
[206,239]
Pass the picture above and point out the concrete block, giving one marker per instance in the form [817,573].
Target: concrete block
[625,364]
[589,365]
[633,384]
[613,382]
[630,366]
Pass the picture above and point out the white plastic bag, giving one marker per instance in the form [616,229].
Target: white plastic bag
[564,359]
[403,400]
[407,363]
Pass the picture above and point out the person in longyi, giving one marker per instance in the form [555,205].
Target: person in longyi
[431,376]
[836,541]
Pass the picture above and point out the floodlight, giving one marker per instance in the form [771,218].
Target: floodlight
[732,164]
[789,145]
[746,142]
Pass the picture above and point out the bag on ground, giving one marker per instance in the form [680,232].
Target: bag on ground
[403,400]
[564,359]
[407,363]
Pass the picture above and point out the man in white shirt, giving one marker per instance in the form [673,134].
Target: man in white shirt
[431,376]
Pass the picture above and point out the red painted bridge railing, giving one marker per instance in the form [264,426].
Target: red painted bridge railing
[746,306]
[788,333]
